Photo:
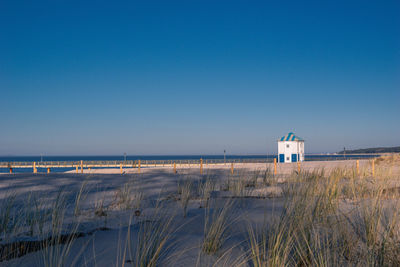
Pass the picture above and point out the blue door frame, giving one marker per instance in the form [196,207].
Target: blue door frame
[294,157]
[281,157]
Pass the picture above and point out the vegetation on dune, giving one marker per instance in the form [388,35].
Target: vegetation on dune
[316,228]
[185,188]
[217,221]
[395,149]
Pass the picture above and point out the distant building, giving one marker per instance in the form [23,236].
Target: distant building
[290,148]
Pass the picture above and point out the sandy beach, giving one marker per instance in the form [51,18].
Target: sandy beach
[108,210]
[282,168]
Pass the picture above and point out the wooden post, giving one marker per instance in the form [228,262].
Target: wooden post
[77,169]
[34,167]
[120,168]
[232,168]
[373,167]
[358,167]
[201,166]
[81,166]
[139,166]
[11,170]
[274,166]
[48,170]
[174,167]
[298,166]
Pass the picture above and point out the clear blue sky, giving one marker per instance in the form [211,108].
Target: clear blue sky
[197,77]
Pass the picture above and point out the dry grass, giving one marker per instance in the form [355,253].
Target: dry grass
[129,196]
[217,221]
[388,159]
[151,242]
[317,228]
[8,215]
[185,190]
[205,187]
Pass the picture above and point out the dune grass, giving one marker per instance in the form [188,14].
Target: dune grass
[185,190]
[217,221]
[80,196]
[151,240]
[129,196]
[316,228]
[56,244]
[205,187]
[8,216]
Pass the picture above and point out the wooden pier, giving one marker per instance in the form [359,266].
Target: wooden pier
[126,164]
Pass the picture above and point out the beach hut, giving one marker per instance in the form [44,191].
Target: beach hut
[290,148]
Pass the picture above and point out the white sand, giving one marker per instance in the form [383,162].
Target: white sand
[103,247]
[282,168]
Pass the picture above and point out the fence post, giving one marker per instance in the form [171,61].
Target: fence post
[174,167]
[81,166]
[120,168]
[298,166]
[48,170]
[77,169]
[232,168]
[274,166]
[358,167]
[34,167]
[373,167]
[201,166]
[139,166]
[11,170]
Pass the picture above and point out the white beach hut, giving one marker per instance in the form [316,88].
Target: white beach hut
[290,148]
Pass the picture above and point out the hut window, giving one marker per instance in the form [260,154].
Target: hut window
[287,158]
[287,146]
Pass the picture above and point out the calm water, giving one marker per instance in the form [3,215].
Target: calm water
[309,157]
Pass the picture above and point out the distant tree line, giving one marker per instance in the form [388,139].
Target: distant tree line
[395,149]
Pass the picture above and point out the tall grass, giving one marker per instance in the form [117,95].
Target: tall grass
[36,214]
[8,215]
[376,223]
[217,221]
[79,196]
[258,243]
[268,178]
[128,196]
[236,185]
[185,188]
[315,228]
[205,187]
[56,247]
[150,242]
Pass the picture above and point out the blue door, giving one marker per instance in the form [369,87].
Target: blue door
[281,157]
[294,157]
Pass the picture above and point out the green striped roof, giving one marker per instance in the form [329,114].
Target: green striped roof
[291,137]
